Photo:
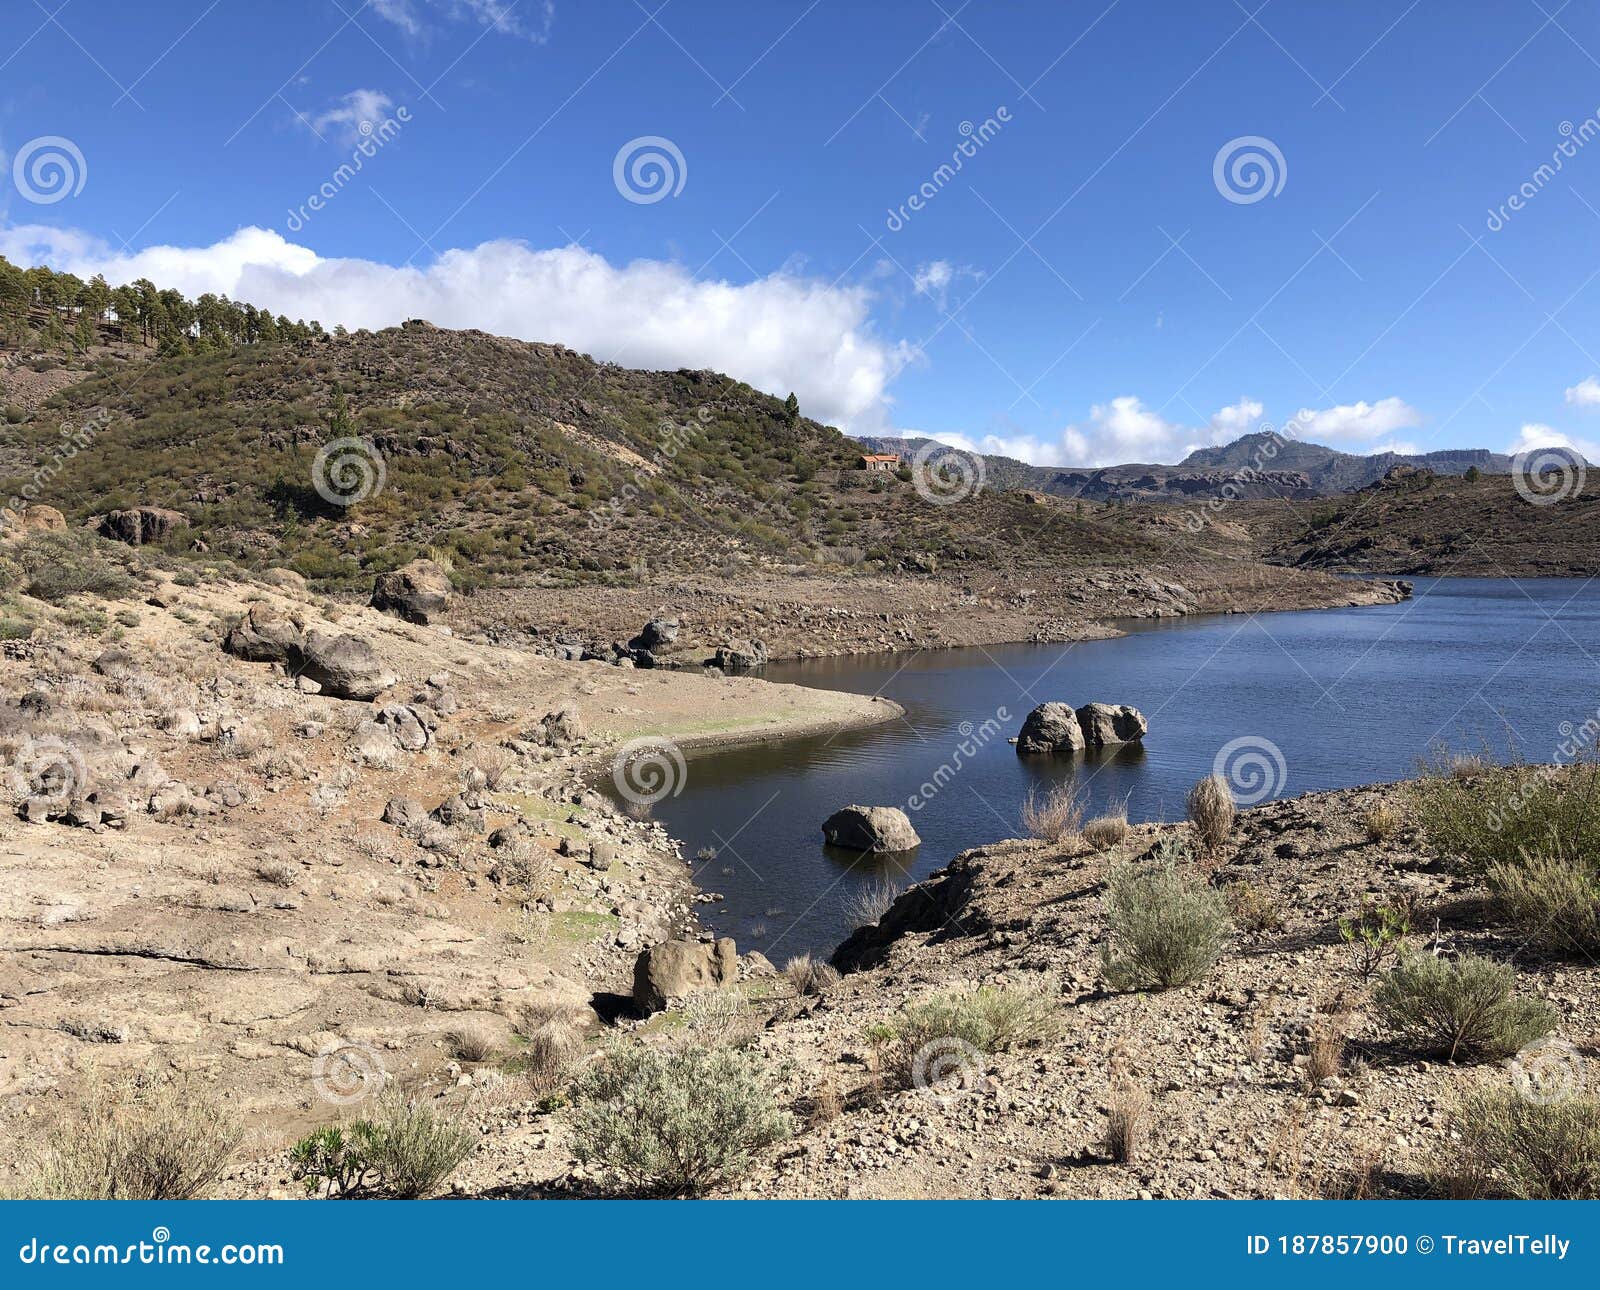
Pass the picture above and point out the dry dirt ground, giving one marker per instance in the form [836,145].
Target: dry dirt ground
[1232,1113]
[800,616]
[264,915]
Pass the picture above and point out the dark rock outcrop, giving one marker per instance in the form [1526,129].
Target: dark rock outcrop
[419,592]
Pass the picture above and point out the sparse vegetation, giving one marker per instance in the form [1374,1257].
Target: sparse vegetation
[1375,933]
[1126,1110]
[1502,1144]
[1325,1051]
[1211,812]
[989,1019]
[1253,907]
[473,1041]
[1106,831]
[1054,817]
[810,976]
[675,1121]
[870,901]
[1553,898]
[136,1140]
[405,1151]
[71,562]
[1461,1008]
[1168,928]
[1381,822]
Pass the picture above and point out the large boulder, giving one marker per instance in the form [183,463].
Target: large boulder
[658,632]
[1111,723]
[739,656]
[675,969]
[141,524]
[1051,728]
[263,635]
[35,519]
[419,592]
[871,828]
[346,667]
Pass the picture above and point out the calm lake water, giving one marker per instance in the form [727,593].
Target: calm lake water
[1292,702]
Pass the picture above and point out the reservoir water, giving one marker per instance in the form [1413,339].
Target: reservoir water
[1283,703]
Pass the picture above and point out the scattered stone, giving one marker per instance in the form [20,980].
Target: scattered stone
[347,667]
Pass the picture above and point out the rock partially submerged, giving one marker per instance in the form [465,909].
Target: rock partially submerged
[871,828]
[1056,728]
[1106,723]
[1051,728]
[674,969]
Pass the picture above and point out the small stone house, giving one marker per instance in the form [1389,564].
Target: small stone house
[887,461]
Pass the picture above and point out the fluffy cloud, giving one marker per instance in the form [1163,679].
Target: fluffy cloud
[1585,394]
[1359,421]
[344,120]
[779,333]
[531,19]
[1534,435]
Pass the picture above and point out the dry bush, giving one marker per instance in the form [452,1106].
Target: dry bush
[136,1141]
[1381,822]
[1553,898]
[1056,817]
[1211,812]
[472,1041]
[675,1121]
[1167,926]
[280,873]
[865,905]
[1106,831]
[1461,1008]
[990,1019]
[493,763]
[1125,1119]
[1253,907]
[1325,1052]
[1502,1144]
[405,1150]
[810,976]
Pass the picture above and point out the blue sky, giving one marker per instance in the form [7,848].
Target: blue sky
[1084,289]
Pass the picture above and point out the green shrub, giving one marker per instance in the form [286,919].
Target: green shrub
[1461,1008]
[136,1141]
[1483,815]
[1554,899]
[406,1150]
[1375,934]
[67,563]
[1504,1144]
[990,1019]
[1168,928]
[675,1121]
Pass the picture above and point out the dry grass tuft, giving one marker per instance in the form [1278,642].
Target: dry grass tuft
[472,1041]
[1056,817]
[1381,822]
[1106,831]
[1212,812]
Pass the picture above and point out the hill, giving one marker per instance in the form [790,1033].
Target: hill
[1415,522]
[1257,465]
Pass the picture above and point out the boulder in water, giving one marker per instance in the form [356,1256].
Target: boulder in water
[1051,728]
[1107,724]
[871,828]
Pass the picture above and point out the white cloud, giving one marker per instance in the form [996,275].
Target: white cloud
[1402,446]
[531,19]
[935,279]
[344,121]
[1029,448]
[1534,435]
[1359,421]
[779,333]
[1585,394]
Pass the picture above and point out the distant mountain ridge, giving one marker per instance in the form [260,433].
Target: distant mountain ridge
[1259,465]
